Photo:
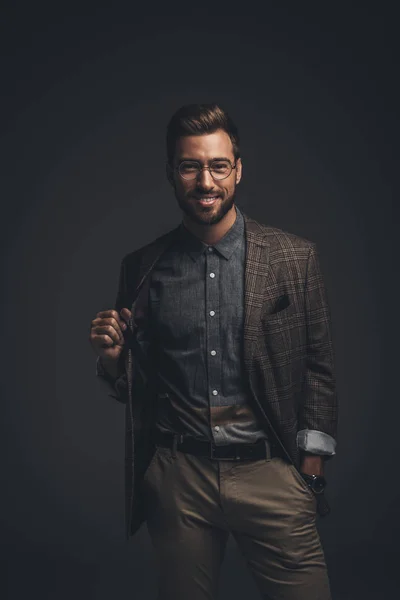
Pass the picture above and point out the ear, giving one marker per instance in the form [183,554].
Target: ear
[170,174]
[238,171]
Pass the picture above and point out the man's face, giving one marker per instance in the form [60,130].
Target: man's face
[204,149]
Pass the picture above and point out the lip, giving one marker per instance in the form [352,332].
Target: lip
[202,203]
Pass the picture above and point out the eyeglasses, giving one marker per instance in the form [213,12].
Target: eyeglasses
[219,169]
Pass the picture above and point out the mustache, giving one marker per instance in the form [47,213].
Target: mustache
[201,191]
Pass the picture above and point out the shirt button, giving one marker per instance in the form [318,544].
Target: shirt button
[216,428]
[215,392]
[212,275]
[212,313]
[213,353]
[210,248]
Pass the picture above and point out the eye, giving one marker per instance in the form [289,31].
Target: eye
[188,167]
[221,167]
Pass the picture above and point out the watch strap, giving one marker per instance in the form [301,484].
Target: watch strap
[323,507]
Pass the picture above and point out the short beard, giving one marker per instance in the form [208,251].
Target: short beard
[212,219]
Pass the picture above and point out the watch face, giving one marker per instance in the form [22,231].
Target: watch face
[318,484]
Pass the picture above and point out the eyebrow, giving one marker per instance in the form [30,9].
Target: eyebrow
[199,161]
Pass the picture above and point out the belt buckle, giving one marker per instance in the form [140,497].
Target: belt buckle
[228,458]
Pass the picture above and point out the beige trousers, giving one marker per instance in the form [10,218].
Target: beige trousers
[194,503]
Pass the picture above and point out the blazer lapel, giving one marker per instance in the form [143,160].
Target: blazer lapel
[257,275]
[148,260]
[139,305]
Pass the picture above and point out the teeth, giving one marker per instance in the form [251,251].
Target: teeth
[208,199]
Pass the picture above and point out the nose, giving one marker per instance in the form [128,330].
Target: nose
[205,179]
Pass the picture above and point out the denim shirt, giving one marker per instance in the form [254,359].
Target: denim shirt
[195,321]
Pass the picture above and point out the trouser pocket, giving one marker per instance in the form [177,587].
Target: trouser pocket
[301,481]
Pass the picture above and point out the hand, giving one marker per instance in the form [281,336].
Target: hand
[106,334]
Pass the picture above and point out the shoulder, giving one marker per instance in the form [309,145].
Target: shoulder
[279,240]
[284,241]
[133,258]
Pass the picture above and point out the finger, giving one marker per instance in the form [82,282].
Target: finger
[125,314]
[117,323]
[104,341]
[119,326]
[109,331]
[107,314]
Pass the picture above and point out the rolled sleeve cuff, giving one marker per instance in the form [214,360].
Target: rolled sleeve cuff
[316,442]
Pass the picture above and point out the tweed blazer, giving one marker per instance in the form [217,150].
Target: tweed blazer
[287,348]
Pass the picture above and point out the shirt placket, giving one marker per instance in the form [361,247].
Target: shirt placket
[213,341]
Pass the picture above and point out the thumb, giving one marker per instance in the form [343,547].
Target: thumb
[125,314]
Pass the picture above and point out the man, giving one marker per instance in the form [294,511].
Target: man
[220,346]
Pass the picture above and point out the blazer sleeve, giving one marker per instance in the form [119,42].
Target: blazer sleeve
[116,388]
[318,410]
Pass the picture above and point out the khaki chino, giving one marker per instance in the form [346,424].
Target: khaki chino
[194,503]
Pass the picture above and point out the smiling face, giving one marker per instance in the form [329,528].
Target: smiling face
[189,193]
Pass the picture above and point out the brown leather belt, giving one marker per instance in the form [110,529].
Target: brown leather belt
[261,449]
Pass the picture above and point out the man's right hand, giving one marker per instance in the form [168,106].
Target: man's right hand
[106,335]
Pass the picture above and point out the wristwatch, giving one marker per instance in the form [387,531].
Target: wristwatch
[316,482]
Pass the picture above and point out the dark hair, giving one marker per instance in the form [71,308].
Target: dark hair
[198,119]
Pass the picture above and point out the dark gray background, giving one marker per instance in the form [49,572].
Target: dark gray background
[85,104]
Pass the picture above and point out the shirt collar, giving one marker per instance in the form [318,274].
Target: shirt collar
[195,247]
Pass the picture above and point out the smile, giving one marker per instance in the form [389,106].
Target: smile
[207,200]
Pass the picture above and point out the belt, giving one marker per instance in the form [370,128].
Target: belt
[190,445]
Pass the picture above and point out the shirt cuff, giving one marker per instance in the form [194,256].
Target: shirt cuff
[114,387]
[316,442]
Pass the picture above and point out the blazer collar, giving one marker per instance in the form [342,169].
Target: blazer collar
[255,236]
[226,246]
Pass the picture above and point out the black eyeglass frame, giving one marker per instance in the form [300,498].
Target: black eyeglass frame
[200,169]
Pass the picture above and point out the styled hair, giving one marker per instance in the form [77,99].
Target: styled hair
[199,119]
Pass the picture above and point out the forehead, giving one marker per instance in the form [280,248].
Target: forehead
[204,147]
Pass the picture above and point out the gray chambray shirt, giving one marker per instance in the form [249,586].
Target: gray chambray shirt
[195,321]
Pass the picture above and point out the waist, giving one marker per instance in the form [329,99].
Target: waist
[263,448]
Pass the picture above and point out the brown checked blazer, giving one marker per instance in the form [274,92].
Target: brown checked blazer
[287,348]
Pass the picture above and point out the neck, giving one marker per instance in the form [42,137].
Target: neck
[211,234]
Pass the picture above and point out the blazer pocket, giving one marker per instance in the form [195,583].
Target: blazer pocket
[282,309]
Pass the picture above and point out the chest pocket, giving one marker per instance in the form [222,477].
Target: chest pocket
[275,330]
[278,312]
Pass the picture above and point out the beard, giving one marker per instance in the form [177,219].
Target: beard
[202,215]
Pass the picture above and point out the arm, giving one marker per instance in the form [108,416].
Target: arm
[318,413]
[112,377]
